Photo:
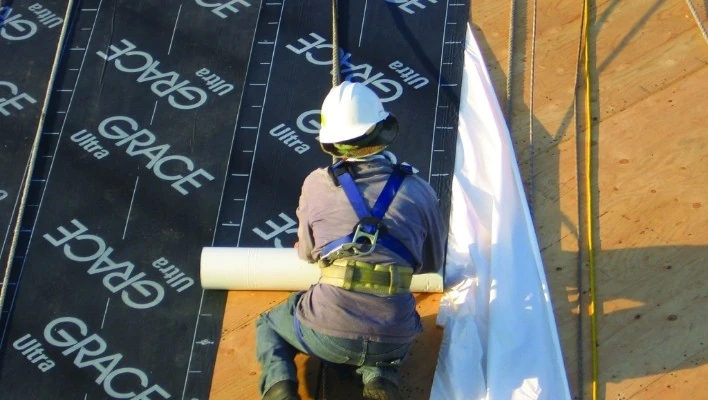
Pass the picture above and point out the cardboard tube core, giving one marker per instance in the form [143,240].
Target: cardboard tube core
[253,268]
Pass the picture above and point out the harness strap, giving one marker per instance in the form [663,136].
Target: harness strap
[389,192]
[355,198]
[369,229]
[399,248]
[362,277]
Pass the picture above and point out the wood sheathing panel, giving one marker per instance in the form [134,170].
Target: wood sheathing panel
[649,79]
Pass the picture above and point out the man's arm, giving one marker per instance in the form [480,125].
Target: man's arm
[436,237]
[306,241]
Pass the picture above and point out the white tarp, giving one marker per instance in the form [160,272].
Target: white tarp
[500,340]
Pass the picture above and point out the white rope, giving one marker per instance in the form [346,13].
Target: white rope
[512,12]
[701,27]
[15,234]
[531,114]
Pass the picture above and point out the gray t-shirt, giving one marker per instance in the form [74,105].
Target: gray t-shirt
[325,214]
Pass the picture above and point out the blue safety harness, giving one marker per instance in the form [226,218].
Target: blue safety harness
[370,230]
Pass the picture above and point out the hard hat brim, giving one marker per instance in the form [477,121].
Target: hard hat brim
[337,134]
[384,136]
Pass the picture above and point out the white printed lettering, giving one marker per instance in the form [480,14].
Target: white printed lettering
[289,227]
[120,63]
[84,349]
[218,7]
[408,75]
[45,16]
[97,241]
[13,88]
[136,291]
[100,154]
[15,28]
[16,101]
[152,153]
[116,52]
[32,349]
[145,394]
[406,4]
[173,276]
[89,142]
[133,140]
[214,82]
[149,290]
[191,180]
[162,175]
[318,43]
[108,387]
[307,124]
[288,137]
[389,89]
[179,94]
[65,339]
[90,352]
[172,168]
[104,365]
[67,235]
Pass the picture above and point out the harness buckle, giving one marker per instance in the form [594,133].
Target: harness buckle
[362,236]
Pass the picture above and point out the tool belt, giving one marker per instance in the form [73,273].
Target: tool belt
[363,277]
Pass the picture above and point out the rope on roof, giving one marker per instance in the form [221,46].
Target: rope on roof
[701,27]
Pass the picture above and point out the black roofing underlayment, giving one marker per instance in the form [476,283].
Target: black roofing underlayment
[173,126]
[25,33]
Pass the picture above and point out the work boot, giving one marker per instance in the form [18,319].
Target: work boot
[283,390]
[381,389]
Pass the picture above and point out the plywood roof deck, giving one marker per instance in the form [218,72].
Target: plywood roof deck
[649,80]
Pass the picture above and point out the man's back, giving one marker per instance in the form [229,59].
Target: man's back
[413,218]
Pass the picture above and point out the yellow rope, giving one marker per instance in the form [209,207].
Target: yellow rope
[588,200]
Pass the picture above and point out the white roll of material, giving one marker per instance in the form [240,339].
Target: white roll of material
[253,268]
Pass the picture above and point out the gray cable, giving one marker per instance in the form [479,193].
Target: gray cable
[510,62]
[32,158]
[531,86]
[335,51]
[335,45]
[698,20]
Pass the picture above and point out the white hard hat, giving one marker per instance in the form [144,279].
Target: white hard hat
[349,111]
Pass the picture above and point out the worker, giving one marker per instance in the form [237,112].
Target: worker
[370,224]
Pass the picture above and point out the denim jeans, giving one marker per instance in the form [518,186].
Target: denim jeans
[277,344]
